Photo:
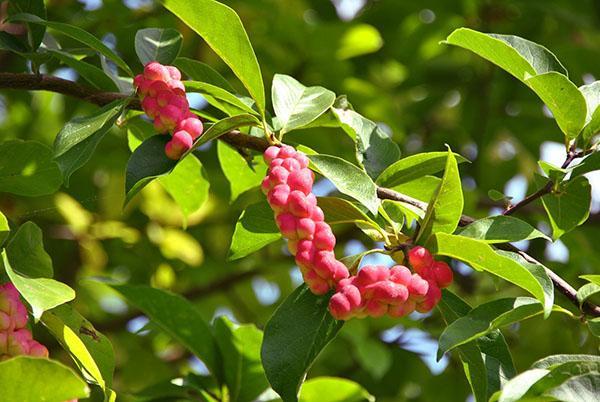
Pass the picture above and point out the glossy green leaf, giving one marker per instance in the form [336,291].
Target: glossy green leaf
[26,252]
[29,379]
[487,361]
[224,126]
[202,72]
[4,228]
[519,57]
[359,40]
[188,184]
[11,43]
[240,350]
[481,256]
[332,389]
[27,168]
[563,99]
[487,317]
[147,162]
[92,74]
[413,167]
[594,326]
[501,229]
[254,230]
[338,210]
[296,105]
[591,93]
[223,31]
[590,164]
[78,139]
[516,388]
[577,389]
[591,278]
[569,207]
[233,105]
[375,149]
[79,35]
[41,293]
[586,291]
[156,44]
[177,317]
[89,349]
[35,33]
[293,337]
[445,208]
[242,174]
[348,179]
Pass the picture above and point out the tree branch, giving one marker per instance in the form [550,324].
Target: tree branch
[33,82]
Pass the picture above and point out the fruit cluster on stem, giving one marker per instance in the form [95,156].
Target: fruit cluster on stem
[288,187]
[163,100]
[15,338]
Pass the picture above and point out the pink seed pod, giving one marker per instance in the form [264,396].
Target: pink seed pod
[169,116]
[156,71]
[442,273]
[278,175]
[174,73]
[163,98]
[402,309]
[157,87]
[420,259]
[434,294]
[301,205]
[37,349]
[191,124]
[401,275]
[324,238]
[287,151]
[301,180]
[265,186]
[180,102]
[291,164]
[278,197]
[418,288]
[18,342]
[302,159]
[287,226]
[316,284]
[317,215]
[343,303]
[177,87]
[306,228]
[271,153]
[179,144]
[150,106]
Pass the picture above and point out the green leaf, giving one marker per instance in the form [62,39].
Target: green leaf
[26,252]
[78,139]
[482,257]
[415,166]
[35,33]
[591,278]
[594,326]
[240,351]
[27,168]
[202,72]
[92,74]
[501,229]
[348,179]
[359,40]
[577,389]
[591,93]
[224,126]
[568,207]
[554,361]
[519,57]
[79,35]
[332,389]
[4,228]
[539,272]
[294,336]
[587,291]
[338,210]
[375,150]
[589,164]
[41,293]
[156,44]
[242,175]
[445,208]
[254,230]
[177,317]
[517,387]
[29,379]
[487,361]
[233,105]
[188,184]
[563,99]
[487,317]
[146,163]
[296,105]
[12,44]
[223,31]
[89,349]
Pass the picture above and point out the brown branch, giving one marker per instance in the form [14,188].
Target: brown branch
[23,81]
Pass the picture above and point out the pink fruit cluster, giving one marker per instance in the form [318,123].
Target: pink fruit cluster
[288,187]
[397,292]
[163,100]
[15,338]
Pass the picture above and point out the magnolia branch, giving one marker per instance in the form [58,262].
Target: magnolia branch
[33,82]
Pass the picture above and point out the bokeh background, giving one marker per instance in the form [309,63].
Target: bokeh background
[386,56]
